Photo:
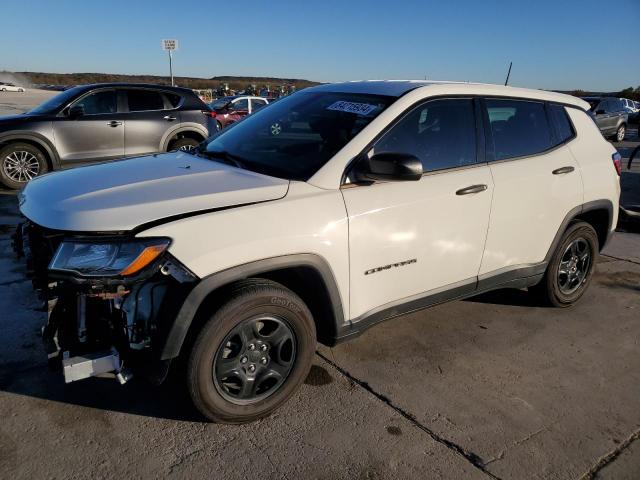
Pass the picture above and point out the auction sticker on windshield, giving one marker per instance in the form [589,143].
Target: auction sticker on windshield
[352,107]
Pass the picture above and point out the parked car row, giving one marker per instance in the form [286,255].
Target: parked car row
[228,110]
[99,122]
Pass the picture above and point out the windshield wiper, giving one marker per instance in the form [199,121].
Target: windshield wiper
[225,156]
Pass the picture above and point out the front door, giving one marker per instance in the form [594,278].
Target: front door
[411,239]
[96,135]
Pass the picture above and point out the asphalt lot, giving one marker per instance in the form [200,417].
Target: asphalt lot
[491,387]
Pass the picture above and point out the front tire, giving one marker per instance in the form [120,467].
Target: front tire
[252,354]
[570,271]
[19,163]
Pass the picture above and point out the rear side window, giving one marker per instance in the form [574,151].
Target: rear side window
[441,133]
[518,128]
[174,99]
[143,100]
[561,123]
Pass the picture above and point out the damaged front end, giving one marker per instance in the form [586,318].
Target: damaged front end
[111,300]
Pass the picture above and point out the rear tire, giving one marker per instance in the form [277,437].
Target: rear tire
[19,163]
[252,354]
[571,268]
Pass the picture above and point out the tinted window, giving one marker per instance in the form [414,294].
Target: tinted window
[297,135]
[242,104]
[99,102]
[561,123]
[441,133]
[174,99]
[141,100]
[257,104]
[518,128]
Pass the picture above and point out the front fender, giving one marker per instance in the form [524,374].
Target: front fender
[178,331]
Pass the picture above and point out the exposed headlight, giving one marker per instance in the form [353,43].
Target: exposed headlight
[107,259]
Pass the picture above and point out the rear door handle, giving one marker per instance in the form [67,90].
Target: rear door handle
[169,118]
[114,123]
[561,170]
[471,189]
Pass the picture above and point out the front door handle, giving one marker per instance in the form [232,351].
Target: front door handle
[561,170]
[169,118]
[114,123]
[471,189]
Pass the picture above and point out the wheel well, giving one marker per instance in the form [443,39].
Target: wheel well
[186,134]
[33,144]
[599,220]
[306,282]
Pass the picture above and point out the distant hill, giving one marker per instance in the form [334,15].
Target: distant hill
[235,83]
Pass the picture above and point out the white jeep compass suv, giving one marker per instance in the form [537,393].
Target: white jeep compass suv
[334,209]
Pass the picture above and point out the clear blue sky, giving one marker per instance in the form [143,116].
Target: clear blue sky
[554,44]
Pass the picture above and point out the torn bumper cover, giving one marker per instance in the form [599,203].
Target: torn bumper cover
[111,300]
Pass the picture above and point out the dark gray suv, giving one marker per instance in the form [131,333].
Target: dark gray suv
[610,116]
[93,123]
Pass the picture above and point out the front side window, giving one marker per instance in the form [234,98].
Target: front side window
[518,128]
[99,103]
[561,123]
[144,100]
[441,133]
[297,135]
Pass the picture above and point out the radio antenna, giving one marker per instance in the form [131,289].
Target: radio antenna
[508,74]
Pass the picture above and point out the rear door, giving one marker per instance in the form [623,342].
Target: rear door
[149,116]
[536,183]
[96,135]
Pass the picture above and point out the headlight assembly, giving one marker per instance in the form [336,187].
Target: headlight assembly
[107,258]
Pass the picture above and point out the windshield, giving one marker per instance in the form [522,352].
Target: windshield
[54,103]
[297,135]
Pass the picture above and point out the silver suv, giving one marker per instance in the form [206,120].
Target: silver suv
[99,122]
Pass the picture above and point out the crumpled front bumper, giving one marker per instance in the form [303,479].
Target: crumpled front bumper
[103,328]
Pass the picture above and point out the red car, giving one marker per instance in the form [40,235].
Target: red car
[227,110]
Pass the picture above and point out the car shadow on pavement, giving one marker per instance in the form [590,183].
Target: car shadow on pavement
[168,401]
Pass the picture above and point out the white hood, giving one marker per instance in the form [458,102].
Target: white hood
[120,196]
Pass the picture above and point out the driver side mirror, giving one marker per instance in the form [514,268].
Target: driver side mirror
[76,111]
[600,112]
[396,167]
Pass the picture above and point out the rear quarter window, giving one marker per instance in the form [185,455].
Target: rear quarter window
[561,124]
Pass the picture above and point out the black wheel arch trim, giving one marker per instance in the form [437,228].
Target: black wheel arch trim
[207,285]
[573,214]
[38,139]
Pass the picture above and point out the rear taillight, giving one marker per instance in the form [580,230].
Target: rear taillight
[209,113]
[617,163]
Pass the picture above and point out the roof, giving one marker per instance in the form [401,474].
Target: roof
[130,84]
[397,88]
